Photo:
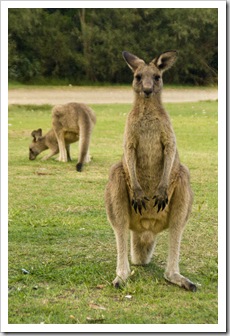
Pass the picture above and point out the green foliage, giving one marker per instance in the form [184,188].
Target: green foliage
[58,229]
[86,44]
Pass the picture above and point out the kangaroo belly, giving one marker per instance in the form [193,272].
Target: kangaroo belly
[71,137]
[150,220]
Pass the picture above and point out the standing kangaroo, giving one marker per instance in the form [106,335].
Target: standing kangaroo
[149,190]
[71,122]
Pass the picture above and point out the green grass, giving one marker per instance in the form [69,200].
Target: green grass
[58,229]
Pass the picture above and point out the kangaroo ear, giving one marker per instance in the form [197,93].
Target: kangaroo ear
[132,60]
[165,60]
[36,134]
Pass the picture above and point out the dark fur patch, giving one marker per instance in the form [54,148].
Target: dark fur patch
[79,167]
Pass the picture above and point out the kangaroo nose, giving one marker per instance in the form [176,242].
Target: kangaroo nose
[147,91]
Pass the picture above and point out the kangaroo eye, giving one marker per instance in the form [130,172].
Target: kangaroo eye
[138,77]
[157,78]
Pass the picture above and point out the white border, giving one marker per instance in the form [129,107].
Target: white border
[221,326]
[222,181]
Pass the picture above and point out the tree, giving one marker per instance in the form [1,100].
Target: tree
[85,45]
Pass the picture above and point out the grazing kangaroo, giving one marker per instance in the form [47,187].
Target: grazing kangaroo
[149,190]
[71,122]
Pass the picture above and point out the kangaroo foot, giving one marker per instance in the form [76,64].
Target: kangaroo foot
[61,159]
[121,278]
[181,281]
[118,282]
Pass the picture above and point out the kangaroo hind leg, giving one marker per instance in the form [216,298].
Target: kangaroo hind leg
[61,145]
[59,132]
[68,152]
[118,213]
[180,204]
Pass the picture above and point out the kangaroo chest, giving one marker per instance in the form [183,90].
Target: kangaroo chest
[149,151]
[149,147]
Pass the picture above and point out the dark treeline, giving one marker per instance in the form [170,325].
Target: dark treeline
[85,45]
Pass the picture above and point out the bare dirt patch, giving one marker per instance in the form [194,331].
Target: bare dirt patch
[101,95]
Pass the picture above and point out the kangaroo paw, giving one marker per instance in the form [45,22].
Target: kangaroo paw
[139,203]
[161,201]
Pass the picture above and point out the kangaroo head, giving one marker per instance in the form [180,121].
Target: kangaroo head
[37,145]
[148,77]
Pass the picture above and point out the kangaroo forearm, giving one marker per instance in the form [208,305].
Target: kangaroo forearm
[52,153]
[168,164]
[130,161]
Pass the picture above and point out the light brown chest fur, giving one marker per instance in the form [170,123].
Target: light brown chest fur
[145,133]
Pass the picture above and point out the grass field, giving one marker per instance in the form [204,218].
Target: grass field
[59,233]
